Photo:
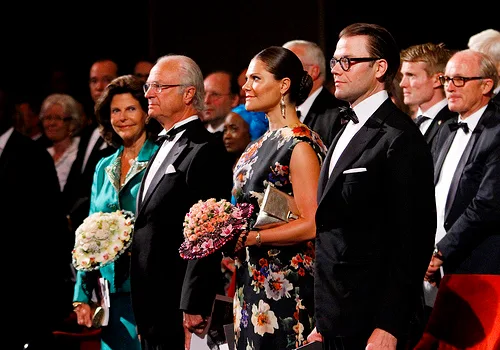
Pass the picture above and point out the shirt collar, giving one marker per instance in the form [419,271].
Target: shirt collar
[176,125]
[368,106]
[473,119]
[434,110]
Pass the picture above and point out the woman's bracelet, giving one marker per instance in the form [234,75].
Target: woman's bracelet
[258,239]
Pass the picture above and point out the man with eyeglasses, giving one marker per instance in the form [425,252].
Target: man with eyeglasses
[221,95]
[467,177]
[320,110]
[372,248]
[190,165]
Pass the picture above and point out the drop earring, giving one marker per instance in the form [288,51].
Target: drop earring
[283,107]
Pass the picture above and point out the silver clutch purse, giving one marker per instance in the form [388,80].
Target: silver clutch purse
[277,208]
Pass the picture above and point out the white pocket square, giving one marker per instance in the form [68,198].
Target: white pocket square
[354,170]
[170,169]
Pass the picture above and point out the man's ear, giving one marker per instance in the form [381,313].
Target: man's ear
[189,93]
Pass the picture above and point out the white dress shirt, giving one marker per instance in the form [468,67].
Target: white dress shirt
[363,111]
[163,152]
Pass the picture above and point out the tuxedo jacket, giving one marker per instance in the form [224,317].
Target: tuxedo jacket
[375,228]
[472,210]
[33,227]
[323,116]
[443,115]
[196,168]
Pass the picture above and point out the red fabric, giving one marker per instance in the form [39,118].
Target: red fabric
[466,314]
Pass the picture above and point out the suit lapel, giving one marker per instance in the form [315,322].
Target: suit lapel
[464,158]
[323,176]
[353,150]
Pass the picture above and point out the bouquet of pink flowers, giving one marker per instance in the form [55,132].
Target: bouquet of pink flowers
[211,224]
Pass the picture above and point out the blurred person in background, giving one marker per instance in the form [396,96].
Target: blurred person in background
[221,94]
[241,127]
[142,68]
[320,110]
[61,117]
[91,148]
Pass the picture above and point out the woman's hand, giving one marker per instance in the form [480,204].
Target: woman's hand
[314,336]
[83,314]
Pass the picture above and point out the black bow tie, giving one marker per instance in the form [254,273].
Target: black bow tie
[420,119]
[169,136]
[347,113]
[456,126]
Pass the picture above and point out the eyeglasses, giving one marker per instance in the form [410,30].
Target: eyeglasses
[346,62]
[57,118]
[457,81]
[157,88]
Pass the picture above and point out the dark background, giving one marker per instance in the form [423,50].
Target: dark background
[216,34]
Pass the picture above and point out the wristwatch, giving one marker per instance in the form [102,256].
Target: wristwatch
[436,253]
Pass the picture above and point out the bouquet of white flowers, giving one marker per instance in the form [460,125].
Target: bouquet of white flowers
[102,238]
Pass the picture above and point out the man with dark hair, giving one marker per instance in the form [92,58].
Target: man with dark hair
[376,215]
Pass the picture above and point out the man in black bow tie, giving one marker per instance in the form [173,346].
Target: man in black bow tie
[376,177]
[191,165]
[467,171]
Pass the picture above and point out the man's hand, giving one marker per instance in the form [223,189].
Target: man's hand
[381,339]
[432,269]
[195,323]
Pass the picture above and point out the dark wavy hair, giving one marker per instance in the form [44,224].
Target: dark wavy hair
[122,85]
[283,63]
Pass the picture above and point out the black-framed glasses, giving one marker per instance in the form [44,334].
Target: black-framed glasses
[157,87]
[346,62]
[457,81]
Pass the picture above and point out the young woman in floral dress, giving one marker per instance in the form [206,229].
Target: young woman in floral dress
[273,303]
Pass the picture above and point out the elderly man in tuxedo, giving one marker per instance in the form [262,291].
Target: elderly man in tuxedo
[376,219]
[467,170]
[190,165]
[467,179]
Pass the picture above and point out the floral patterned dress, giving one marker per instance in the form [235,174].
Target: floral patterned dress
[273,302]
